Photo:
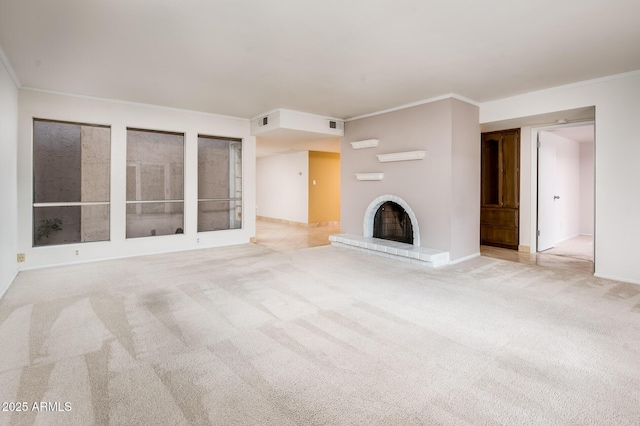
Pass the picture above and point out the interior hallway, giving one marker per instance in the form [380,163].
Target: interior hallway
[284,237]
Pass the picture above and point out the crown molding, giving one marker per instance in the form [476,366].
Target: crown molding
[141,104]
[571,85]
[7,65]
[265,114]
[417,103]
[297,112]
[465,99]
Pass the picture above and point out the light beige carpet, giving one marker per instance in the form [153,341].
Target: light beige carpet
[322,336]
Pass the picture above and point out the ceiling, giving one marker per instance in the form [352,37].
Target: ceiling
[339,58]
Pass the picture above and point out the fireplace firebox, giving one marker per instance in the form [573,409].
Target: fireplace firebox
[392,222]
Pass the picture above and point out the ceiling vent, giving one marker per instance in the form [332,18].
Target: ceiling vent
[336,125]
[263,121]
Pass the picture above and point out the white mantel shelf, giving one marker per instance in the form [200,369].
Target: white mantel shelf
[402,156]
[369,176]
[369,143]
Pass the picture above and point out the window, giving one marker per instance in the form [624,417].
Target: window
[71,182]
[219,183]
[155,183]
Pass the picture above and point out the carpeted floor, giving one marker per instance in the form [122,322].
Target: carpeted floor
[246,335]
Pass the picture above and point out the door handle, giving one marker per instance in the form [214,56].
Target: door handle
[556,197]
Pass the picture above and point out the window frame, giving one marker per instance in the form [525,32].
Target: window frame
[232,177]
[167,202]
[35,205]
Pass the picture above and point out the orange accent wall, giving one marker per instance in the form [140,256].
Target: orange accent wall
[324,196]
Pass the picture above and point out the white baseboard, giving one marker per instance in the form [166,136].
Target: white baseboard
[614,278]
[8,286]
[587,235]
[524,249]
[292,222]
[464,259]
[285,221]
[567,238]
[129,256]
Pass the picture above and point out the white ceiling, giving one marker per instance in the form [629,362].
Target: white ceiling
[340,58]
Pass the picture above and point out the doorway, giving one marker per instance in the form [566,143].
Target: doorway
[500,189]
[297,188]
[565,191]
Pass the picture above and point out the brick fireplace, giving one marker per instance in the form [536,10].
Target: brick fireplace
[374,209]
[392,248]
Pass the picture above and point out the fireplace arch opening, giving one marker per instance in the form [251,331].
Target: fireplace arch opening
[369,214]
[392,222]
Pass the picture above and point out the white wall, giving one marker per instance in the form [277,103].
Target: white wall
[617,103]
[308,122]
[282,186]
[8,178]
[586,188]
[120,115]
[296,120]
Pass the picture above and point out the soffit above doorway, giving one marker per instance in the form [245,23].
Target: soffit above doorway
[571,116]
[281,141]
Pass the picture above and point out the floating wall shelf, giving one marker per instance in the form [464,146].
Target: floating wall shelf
[402,156]
[369,143]
[369,176]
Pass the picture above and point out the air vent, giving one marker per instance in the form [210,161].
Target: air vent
[337,125]
[263,121]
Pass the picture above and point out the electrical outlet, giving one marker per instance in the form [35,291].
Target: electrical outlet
[21,257]
[198,240]
[77,252]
